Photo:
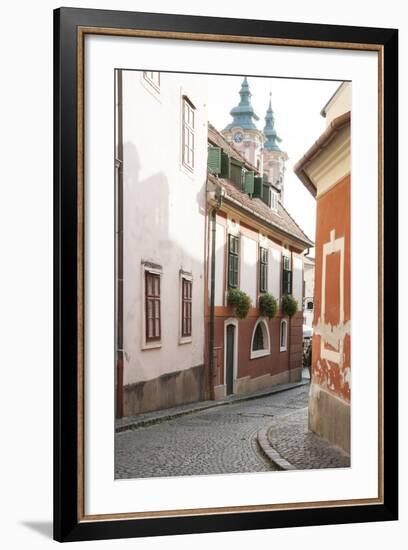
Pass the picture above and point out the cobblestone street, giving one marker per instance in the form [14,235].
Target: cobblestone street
[218,440]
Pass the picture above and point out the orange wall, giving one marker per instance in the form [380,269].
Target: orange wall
[333,213]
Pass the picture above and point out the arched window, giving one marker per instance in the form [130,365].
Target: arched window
[283,334]
[258,339]
[260,343]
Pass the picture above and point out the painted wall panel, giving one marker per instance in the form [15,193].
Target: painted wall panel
[274,272]
[297,288]
[248,267]
[219,264]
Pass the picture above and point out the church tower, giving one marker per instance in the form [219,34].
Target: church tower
[273,158]
[242,131]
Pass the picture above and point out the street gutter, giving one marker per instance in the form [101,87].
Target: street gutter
[158,417]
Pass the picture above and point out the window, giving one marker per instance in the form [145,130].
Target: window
[233,260]
[260,344]
[258,339]
[273,200]
[186,307]
[153,78]
[283,334]
[152,305]
[286,275]
[188,133]
[263,269]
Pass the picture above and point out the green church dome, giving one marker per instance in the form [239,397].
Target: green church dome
[243,115]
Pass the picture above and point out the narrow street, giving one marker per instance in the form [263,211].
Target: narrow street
[219,440]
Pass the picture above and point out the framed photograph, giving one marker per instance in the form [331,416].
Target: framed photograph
[225,274]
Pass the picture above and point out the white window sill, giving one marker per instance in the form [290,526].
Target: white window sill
[259,353]
[151,345]
[186,340]
[283,349]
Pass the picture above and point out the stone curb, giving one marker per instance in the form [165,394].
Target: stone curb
[270,453]
[134,425]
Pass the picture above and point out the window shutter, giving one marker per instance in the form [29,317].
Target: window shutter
[249,182]
[236,174]
[258,186]
[225,166]
[266,194]
[214,160]
[285,282]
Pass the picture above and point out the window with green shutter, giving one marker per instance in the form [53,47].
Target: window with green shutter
[286,275]
[266,194]
[214,159]
[263,269]
[258,182]
[249,178]
[225,166]
[236,173]
[233,261]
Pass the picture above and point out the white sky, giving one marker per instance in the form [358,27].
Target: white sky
[296,105]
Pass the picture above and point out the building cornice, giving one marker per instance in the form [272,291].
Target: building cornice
[315,150]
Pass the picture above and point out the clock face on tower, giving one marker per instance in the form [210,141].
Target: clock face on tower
[238,137]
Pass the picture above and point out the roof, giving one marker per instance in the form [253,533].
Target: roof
[281,220]
[219,140]
[308,260]
[335,94]
[328,135]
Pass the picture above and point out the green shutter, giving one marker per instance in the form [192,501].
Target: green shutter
[214,160]
[249,182]
[266,197]
[258,186]
[225,166]
[236,174]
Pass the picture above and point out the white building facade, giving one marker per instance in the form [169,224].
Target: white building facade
[161,155]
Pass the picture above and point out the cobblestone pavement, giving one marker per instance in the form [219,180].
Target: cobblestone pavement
[213,441]
[290,437]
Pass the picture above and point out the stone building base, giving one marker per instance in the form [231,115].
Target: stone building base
[168,390]
[329,417]
[246,384]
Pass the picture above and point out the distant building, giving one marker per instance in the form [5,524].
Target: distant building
[258,248]
[325,171]
[260,148]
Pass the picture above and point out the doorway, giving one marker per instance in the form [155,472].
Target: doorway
[230,359]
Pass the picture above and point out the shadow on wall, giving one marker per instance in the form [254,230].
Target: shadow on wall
[158,230]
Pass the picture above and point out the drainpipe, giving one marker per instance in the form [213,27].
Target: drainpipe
[119,248]
[212,303]
[212,293]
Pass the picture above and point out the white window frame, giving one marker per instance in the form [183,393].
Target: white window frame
[148,267]
[285,346]
[188,277]
[273,200]
[155,84]
[186,103]
[267,340]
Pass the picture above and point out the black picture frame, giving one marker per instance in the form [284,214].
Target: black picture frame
[67,523]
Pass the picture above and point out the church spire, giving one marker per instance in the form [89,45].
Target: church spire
[272,138]
[243,115]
